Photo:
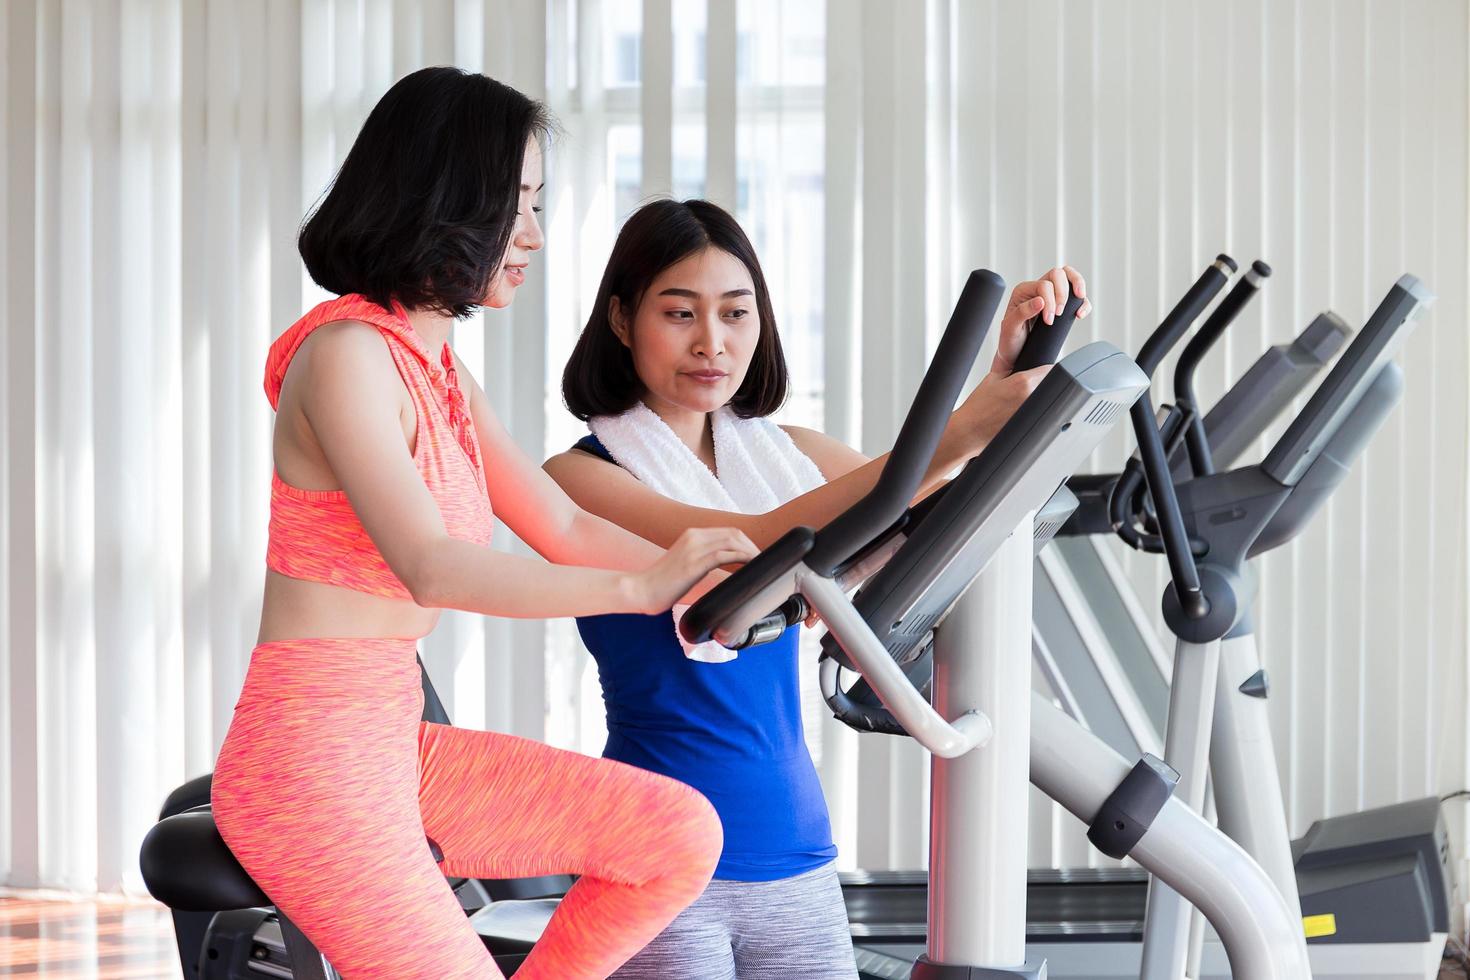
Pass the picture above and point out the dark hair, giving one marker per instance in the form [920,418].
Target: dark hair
[425,204]
[599,378]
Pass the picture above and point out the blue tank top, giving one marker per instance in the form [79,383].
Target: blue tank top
[732,731]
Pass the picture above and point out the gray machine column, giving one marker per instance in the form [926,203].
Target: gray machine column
[1243,758]
[980,800]
[1166,932]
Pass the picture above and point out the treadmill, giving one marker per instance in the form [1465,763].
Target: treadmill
[1374,886]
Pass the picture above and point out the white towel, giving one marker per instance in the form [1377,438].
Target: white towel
[758,468]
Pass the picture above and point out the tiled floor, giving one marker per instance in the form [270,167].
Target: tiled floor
[59,940]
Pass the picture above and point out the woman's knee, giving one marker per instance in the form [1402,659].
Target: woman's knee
[691,835]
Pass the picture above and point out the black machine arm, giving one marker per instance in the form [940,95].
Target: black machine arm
[1341,390]
[859,706]
[1176,324]
[1152,456]
[1236,421]
[720,610]
[921,430]
[1199,345]
[1177,548]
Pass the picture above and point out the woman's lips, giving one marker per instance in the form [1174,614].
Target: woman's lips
[515,274]
[707,377]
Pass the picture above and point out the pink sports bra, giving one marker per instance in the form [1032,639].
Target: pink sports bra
[315,534]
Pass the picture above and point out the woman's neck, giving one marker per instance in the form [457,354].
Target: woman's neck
[692,427]
[431,325]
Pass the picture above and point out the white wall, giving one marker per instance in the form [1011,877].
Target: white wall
[159,156]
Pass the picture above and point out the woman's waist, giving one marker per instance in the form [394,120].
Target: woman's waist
[752,754]
[296,609]
[771,806]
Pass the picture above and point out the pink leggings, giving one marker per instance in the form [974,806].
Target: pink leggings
[328,785]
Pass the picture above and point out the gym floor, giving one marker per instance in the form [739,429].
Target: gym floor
[67,940]
[78,940]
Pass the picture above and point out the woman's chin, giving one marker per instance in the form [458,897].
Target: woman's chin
[702,401]
[500,296]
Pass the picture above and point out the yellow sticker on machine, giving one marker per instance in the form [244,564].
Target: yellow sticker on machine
[1317,926]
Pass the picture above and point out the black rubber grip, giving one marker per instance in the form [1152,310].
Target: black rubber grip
[1045,341]
[919,437]
[701,620]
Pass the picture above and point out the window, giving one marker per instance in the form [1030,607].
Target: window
[780,62]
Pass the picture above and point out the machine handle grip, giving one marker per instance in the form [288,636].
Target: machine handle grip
[1044,342]
[1184,313]
[1200,457]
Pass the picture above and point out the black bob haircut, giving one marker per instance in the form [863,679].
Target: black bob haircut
[425,204]
[599,378]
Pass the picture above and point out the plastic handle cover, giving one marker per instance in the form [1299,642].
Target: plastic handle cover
[1045,341]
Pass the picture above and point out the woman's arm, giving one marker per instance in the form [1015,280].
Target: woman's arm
[611,492]
[538,510]
[348,397]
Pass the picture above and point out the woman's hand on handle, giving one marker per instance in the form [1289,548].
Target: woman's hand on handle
[1032,303]
[696,553]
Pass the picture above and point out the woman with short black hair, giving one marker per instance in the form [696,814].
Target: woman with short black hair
[676,371]
[343,806]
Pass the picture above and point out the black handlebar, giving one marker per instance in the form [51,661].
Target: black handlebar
[1044,342]
[1155,464]
[919,436]
[1188,309]
[699,622]
[1200,460]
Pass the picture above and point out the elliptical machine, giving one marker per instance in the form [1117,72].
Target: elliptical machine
[1354,864]
[924,565]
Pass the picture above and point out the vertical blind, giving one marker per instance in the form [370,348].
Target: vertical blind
[160,154]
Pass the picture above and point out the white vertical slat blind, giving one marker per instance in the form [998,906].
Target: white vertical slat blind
[167,152]
[722,24]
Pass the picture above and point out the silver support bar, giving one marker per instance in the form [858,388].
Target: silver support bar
[1187,749]
[1262,937]
[1243,766]
[943,738]
[979,813]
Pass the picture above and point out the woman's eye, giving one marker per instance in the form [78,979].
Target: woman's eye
[535,210]
[682,314]
[738,314]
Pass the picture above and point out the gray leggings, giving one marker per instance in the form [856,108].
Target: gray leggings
[755,930]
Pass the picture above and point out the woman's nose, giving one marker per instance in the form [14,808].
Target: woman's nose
[710,341]
[528,233]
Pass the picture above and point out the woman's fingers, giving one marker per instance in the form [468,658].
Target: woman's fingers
[1048,290]
[1079,289]
[1057,278]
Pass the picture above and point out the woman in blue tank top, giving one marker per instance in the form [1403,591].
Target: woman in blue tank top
[679,364]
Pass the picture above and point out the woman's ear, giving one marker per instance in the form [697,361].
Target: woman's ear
[617,318]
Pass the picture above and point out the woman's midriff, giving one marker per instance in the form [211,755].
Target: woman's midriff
[295,609]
